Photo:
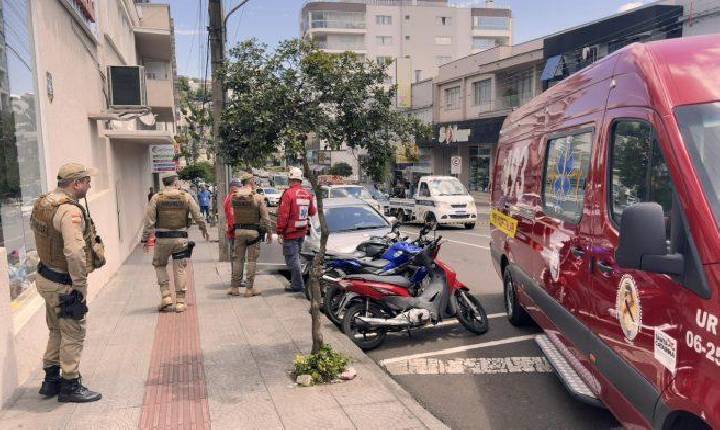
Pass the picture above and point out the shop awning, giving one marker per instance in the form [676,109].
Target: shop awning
[141,137]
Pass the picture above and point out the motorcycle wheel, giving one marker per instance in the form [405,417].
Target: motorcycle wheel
[365,340]
[331,301]
[474,320]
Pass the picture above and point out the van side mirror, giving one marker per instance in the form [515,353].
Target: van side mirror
[643,243]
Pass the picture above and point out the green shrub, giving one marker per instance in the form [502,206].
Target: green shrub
[324,366]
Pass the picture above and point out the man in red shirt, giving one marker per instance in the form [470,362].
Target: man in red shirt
[296,208]
[235,185]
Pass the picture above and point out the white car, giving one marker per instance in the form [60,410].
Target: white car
[271,195]
[356,191]
[350,221]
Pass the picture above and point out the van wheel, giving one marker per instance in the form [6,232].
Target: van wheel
[470,226]
[516,314]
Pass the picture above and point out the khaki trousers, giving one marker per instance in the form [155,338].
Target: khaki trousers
[65,343]
[164,248]
[239,248]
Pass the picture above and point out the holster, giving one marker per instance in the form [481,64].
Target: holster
[72,306]
[186,253]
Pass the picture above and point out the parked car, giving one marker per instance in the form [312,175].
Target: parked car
[606,230]
[440,199]
[350,221]
[271,195]
[356,191]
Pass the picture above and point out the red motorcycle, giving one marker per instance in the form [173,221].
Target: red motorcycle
[376,305]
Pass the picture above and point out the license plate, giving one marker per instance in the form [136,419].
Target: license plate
[461,212]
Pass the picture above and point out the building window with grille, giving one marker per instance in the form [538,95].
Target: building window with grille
[383,19]
[481,92]
[483,43]
[452,98]
[490,23]
[384,60]
[384,40]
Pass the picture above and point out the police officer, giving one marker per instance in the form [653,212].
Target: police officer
[168,213]
[67,246]
[251,224]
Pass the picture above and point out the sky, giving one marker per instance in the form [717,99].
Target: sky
[274,20]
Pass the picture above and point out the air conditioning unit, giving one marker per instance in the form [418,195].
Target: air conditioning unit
[126,86]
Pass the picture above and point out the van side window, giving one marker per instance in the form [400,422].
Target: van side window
[638,169]
[566,169]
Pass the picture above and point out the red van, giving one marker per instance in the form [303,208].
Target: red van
[606,230]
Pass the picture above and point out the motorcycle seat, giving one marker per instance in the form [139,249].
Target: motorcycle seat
[344,256]
[378,264]
[400,281]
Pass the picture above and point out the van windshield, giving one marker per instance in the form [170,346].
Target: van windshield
[446,187]
[700,129]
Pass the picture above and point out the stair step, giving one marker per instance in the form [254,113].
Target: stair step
[566,372]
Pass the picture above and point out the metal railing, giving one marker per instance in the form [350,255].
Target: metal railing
[478,3]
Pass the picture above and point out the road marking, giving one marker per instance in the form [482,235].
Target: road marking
[469,366]
[453,322]
[473,234]
[452,241]
[457,349]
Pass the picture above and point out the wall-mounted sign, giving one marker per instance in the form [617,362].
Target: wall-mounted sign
[455,165]
[162,158]
[453,134]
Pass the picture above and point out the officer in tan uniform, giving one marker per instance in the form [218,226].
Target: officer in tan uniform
[251,224]
[167,213]
[69,249]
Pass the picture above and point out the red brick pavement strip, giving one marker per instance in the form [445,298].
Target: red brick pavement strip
[176,391]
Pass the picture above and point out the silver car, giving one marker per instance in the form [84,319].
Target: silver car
[350,221]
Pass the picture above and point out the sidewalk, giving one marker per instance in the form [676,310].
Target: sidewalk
[223,363]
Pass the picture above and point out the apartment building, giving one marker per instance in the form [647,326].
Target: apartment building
[54,109]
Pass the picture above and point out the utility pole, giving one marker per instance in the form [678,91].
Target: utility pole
[217,57]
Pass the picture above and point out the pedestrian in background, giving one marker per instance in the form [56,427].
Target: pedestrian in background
[204,201]
[168,213]
[150,193]
[69,249]
[296,207]
[248,220]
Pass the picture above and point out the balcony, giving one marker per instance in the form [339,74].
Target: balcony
[155,17]
[153,36]
[160,94]
[335,22]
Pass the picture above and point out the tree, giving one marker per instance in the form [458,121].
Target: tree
[276,98]
[202,170]
[341,169]
[193,108]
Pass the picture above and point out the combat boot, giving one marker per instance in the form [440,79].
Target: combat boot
[180,307]
[251,292]
[165,304]
[234,291]
[51,385]
[179,301]
[73,391]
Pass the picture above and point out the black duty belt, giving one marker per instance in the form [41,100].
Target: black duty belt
[255,227]
[52,275]
[171,234]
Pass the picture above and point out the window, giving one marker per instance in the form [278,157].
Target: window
[418,75]
[424,190]
[442,59]
[452,98]
[481,92]
[336,19]
[490,23]
[384,60]
[383,19]
[483,43]
[156,70]
[407,37]
[566,169]
[443,40]
[384,40]
[407,17]
[443,20]
[638,170]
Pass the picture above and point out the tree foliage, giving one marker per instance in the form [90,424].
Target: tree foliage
[341,169]
[276,98]
[202,170]
[194,108]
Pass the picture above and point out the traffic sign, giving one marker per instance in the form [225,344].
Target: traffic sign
[455,165]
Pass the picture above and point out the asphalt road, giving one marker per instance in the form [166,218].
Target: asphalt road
[505,384]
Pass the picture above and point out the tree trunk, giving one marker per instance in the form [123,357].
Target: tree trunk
[317,264]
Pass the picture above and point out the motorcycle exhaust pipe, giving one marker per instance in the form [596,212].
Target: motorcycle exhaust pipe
[330,278]
[382,322]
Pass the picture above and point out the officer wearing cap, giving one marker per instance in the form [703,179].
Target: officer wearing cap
[248,224]
[69,249]
[167,213]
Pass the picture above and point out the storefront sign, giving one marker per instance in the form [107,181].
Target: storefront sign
[455,165]
[453,134]
[162,158]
